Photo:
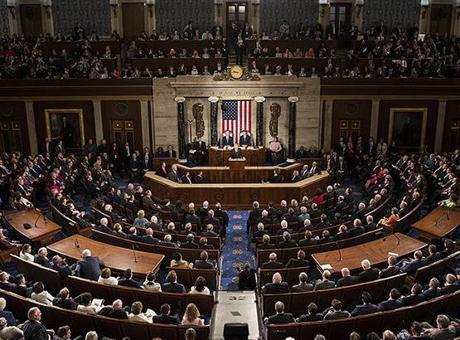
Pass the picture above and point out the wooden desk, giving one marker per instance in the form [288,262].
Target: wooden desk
[219,157]
[375,251]
[438,223]
[42,233]
[233,195]
[115,258]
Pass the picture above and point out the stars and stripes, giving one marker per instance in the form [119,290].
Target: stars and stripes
[236,116]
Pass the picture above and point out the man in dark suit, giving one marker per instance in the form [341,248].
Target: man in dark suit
[276,177]
[272,263]
[42,259]
[189,243]
[170,152]
[236,152]
[433,290]
[199,178]
[203,262]
[391,270]
[171,285]
[9,316]
[186,179]
[367,307]
[303,285]
[368,273]
[164,317]
[115,311]
[415,296]
[393,301]
[149,238]
[299,262]
[280,317]
[335,311]
[312,314]
[61,267]
[325,282]
[287,242]
[226,140]
[104,226]
[347,279]
[266,243]
[245,139]
[64,300]
[315,169]
[209,231]
[90,148]
[412,265]
[88,267]
[33,328]
[434,255]
[127,280]
[173,175]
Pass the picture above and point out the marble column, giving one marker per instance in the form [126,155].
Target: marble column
[260,121]
[31,126]
[442,104]
[375,118]
[98,126]
[181,126]
[213,105]
[292,127]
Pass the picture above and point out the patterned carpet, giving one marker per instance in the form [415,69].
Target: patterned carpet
[235,253]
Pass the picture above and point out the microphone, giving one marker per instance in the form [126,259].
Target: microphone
[77,244]
[134,253]
[399,240]
[339,250]
[447,215]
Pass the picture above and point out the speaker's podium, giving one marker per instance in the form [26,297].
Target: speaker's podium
[236,166]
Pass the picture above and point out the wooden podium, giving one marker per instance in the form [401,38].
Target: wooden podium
[236,166]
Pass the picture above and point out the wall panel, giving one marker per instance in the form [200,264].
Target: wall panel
[175,14]
[391,13]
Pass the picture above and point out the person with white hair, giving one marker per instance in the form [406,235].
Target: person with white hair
[91,335]
[7,315]
[368,273]
[42,258]
[89,267]
[115,311]
[272,262]
[9,332]
[33,328]
[277,286]
[103,226]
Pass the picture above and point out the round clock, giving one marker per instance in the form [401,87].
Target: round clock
[236,72]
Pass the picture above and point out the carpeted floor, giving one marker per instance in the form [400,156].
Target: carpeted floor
[235,251]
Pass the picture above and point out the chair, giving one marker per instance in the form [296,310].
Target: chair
[135,330]
[308,330]
[281,332]
[269,301]
[300,302]
[111,328]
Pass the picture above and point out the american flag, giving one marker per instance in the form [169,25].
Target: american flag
[236,116]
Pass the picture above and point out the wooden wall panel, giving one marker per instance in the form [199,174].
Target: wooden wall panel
[450,125]
[351,110]
[16,111]
[31,19]
[133,19]
[88,116]
[384,117]
[122,110]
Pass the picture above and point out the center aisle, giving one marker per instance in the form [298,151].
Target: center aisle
[235,253]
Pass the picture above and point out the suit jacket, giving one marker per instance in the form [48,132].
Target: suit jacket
[320,284]
[297,263]
[173,176]
[165,319]
[245,141]
[412,299]
[34,330]
[337,315]
[281,318]
[347,281]
[302,287]
[287,244]
[369,275]
[226,141]
[128,283]
[365,309]
[113,313]
[236,154]
[389,271]
[272,265]
[199,264]
[89,268]
[173,287]
[43,261]
[390,304]
[275,288]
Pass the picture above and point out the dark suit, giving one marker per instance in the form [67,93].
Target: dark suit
[89,268]
[9,317]
[302,287]
[280,318]
[337,315]
[412,299]
[389,304]
[245,140]
[236,154]
[128,283]
[272,265]
[173,287]
[173,176]
[296,263]
[324,284]
[347,281]
[199,264]
[389,271]
[275,288]
[165,319]
[365,309]
[43,261]
[113,313]
[34,330]
[370,274]
[226,141]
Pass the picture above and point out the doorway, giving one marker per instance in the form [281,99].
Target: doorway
[340,18]
[31,20]
[133,19]
[237,16]
[440,19]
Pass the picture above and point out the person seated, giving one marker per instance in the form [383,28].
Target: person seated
[64,300]
[247,278]
[127,279]
[451,285]
[227,140]
[41,295]
[308,238]
[203,262]
[390,221]
[21,286]
[299,262]
[245,139]
[149,238]
[393,301]
[433,255]
[179,263]
[140,221]
[103,226]
[266,243]
[315,169]
[443,329]
[370,224]
[136,313]
[200,287]
[284,228]
[277,286]
[368,273]
[164,317]
[7,315]
[208,232]
[410,266]
[189,242]
[303,285]
[192,316]
[260,232]
[236,152]
[42,258]
[325,282]
[272,263]
[5,283]
[170,285]
[107,278]
[347,279]
[367,307]
[433,289]
[26,252]
[150,284]
[276,177]
[335,312]
[391,270]
[415,296]
[115,311]
[89,267]
[203,243]
[287,242]
[312,314]
[9,332]
[280,317]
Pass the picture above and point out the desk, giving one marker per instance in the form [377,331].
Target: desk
[438,223]
[233,195]
[114,257]
[219,157]
[375,251]
[42,233]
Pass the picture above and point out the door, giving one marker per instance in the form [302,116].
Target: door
[440,19]
[454,135]
[340,18]
[11,137]
[31,20]
[133,19]
[122,131]
[237,16]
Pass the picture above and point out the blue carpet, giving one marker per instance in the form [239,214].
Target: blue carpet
[235,251]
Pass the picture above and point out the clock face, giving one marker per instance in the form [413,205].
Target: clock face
[236,72]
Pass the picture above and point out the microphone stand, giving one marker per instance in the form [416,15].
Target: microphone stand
[134,253]
[36,220]
[339,250]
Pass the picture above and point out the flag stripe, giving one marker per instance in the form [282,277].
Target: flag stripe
[236,117]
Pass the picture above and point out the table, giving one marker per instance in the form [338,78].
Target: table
[437,224]
[233,195]
[219,157]
[375,251]
[116,258]
[43,231]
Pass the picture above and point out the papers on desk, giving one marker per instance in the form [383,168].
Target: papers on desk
[97,304]
[149,313]
[326,266]
[393,254]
